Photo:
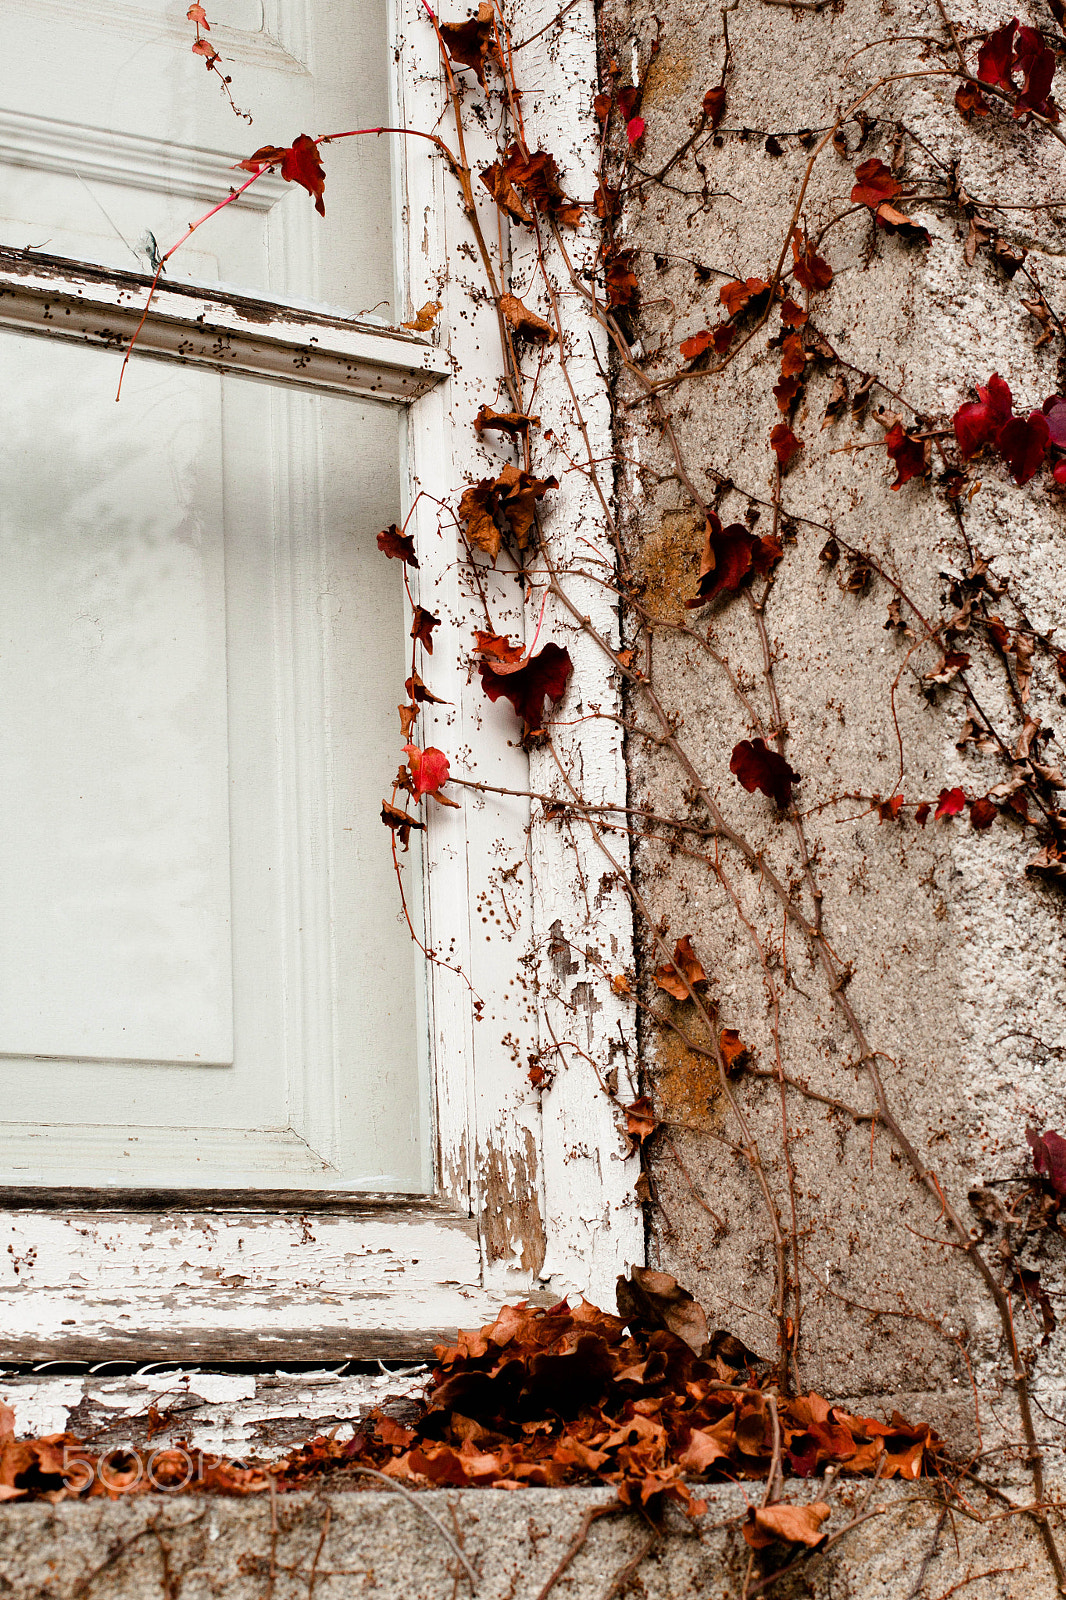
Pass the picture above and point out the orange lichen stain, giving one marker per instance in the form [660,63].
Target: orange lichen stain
[669,73]
[667,565]
[686,1084]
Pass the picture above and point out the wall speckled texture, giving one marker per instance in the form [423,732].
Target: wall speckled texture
[956,957]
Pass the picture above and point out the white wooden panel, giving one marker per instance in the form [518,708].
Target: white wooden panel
[225,1286]
[583,916]
[114,855]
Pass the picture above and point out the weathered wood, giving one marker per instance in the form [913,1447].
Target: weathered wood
[231,333]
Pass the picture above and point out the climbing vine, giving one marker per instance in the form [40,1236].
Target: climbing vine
[745,828]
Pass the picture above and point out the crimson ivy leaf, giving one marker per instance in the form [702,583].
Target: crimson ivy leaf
[908,454]
[995,57]
[875,183]
[1023,445]
[950,803]
[1049,1157]
[757,767]
[528,682]
[1037,64]
[978,423]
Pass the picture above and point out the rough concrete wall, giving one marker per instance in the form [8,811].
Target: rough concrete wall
[376,1544]
[955,955]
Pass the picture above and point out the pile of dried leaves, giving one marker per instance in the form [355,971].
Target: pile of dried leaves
[642,1401]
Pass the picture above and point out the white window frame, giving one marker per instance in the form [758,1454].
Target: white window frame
[535,1188]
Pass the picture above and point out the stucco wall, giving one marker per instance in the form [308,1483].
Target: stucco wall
[954,956]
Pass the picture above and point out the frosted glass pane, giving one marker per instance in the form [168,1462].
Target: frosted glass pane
[114,852]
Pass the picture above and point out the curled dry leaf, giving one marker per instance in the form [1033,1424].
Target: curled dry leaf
[908,453]
[983,813]
[537,177]
[525,324]
[874,184]
[730,556]
[504,504]
[399,821]
[648,1300]
[473,43]
[515,423]
[397,546]
[735,1052]
[809,269]
[504,192]
[714,104]
[683,973]
[417,691]
[423,320]
[755,766]
[794,1524]
[422,624]
[429,770]
[641,1121]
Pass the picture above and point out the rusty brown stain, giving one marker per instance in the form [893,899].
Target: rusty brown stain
[668,74]
[686,1084]
[667,564]
[511,1217]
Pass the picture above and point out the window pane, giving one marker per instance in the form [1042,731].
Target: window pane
[206,977]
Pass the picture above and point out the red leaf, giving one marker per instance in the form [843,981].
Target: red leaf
[528,682]
[810,270]
[921,816]
[1058,472]
[1037,65]
[792,315]
[635,129]
[786,391]
[889,810]
[691,348]
[670,979]
[429,769]
[735,296]
[875,184]
[204,47]
[994,59]
[1023,445]
[950,803]
[757,767]
[908,454]
[714,105]
[1054,409]
[298,162]
[196,14]
[398,546]
[784,444]
[982,813]
[793,356]
[1049,1157]
[978,423]
[629,98]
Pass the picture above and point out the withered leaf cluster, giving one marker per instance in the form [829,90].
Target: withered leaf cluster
[643,1401]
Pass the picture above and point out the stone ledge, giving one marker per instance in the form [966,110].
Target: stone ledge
[375,1543]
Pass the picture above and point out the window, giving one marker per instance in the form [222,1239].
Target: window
[239,1116]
